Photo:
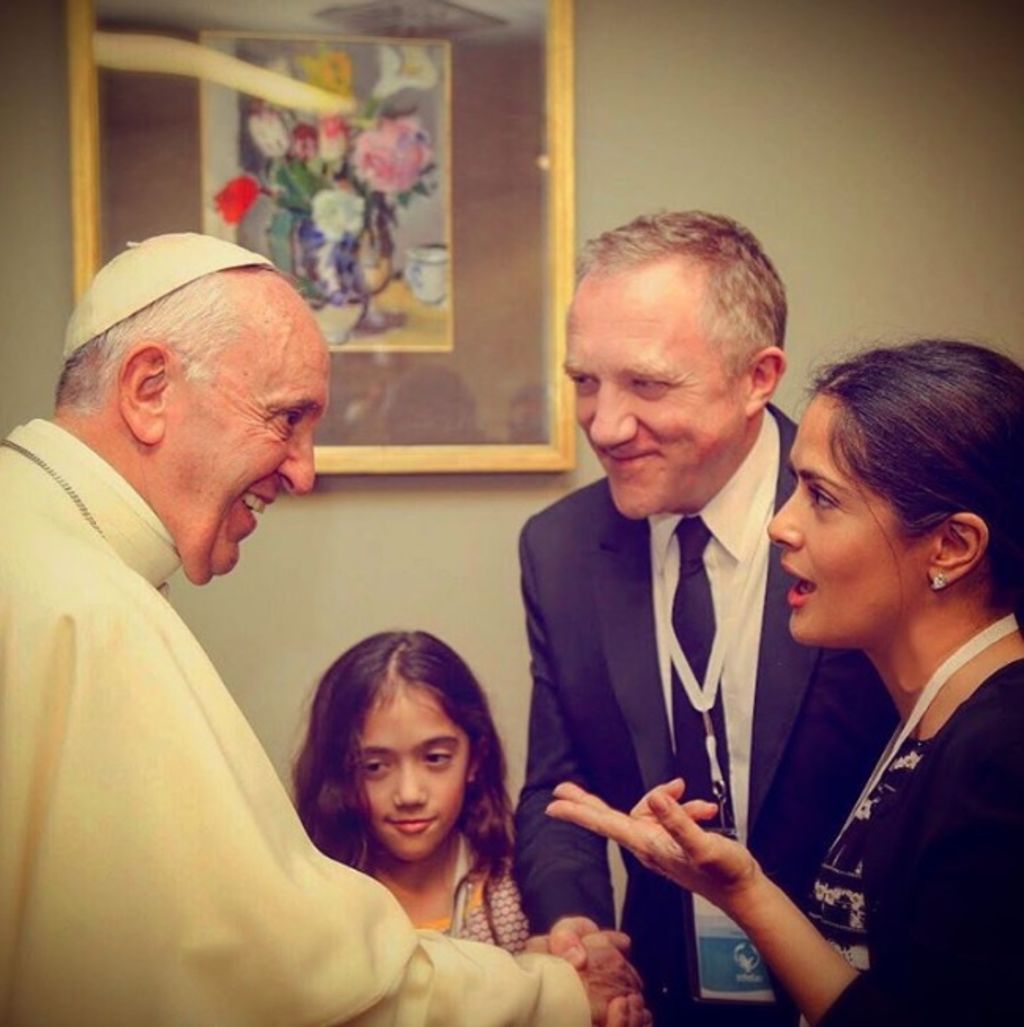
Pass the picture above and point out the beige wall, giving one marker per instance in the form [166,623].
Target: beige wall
[876,149]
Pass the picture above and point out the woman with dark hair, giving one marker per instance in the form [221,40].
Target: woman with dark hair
[402,776]
[906,539]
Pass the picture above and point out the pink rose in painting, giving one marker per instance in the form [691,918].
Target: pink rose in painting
[392,156]
[333,134]
[304,141]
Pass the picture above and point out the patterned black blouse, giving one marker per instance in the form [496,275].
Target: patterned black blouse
[837,907]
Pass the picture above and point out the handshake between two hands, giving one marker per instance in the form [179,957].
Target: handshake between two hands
[614,988]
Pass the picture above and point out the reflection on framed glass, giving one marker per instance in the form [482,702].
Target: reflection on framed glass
[407,161]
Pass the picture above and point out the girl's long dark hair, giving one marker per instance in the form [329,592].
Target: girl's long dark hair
[327,771]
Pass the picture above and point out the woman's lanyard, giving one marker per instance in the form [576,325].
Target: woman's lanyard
[744,581]
[971,648]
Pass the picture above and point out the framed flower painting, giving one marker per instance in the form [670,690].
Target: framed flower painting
[408,163]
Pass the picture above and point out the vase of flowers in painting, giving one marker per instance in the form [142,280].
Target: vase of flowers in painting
[329,188]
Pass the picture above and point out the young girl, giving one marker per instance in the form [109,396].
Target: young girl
[402,776]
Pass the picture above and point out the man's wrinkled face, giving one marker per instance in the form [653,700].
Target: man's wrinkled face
[244,434]
[666,417]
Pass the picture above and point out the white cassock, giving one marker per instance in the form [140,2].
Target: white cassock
[152,869]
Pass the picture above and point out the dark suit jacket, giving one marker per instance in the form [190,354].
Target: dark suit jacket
[944,877]
[598,717]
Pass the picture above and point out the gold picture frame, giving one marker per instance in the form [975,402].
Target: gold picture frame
[486,392]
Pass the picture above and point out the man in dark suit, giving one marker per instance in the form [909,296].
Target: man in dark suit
[657,614]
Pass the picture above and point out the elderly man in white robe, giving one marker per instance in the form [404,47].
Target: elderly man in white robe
[152,870]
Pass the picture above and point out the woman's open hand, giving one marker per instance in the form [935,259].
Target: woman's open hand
[667,837]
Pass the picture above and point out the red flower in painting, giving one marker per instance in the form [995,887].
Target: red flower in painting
[304,142]
[235,199]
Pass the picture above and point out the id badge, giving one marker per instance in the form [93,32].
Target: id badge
[727,967]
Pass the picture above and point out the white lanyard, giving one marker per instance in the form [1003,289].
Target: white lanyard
[744,580]
[978,643]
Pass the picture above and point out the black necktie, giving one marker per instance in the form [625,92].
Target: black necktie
[693,613]
[693,618]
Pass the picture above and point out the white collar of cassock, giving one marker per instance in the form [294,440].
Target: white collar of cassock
[127,521]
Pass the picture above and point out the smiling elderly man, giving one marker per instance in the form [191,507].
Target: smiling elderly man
[152,870]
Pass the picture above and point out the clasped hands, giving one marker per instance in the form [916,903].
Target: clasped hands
[614,988]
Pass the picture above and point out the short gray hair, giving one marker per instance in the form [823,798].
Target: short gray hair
[746,297]
[198,321]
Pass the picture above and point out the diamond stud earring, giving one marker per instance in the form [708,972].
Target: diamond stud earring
[939,582]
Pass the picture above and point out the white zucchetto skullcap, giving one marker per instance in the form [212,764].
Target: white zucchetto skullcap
[146,272]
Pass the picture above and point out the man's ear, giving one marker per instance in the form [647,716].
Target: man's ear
[959,545]
[143,391]
[764,372]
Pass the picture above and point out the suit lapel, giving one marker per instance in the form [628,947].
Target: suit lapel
[623,588]
[784,668]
